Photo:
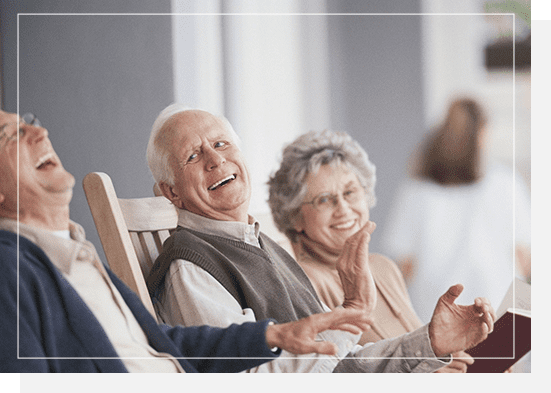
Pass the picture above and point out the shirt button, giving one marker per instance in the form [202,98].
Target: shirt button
[418,354]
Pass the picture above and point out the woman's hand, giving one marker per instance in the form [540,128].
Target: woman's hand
[353,268]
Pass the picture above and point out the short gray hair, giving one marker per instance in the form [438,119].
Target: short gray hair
[305,155]
[158,154]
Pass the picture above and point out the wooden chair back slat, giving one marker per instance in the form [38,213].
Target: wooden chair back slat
[131,231]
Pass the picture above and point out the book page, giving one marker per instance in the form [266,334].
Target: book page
[518,296]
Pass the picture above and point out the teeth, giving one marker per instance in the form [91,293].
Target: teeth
[345,225]
[43,159]
[217,184]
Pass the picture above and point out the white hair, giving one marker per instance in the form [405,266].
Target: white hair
[158,154]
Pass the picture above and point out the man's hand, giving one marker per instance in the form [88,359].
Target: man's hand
[298,337]
[461,360]
[353,267]
[456,328]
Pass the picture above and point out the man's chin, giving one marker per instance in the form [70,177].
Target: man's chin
[62,188]
[231,207]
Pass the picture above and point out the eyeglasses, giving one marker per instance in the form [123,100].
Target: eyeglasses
[10,131]
[327,201]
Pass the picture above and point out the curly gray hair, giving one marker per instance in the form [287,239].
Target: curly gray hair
[287,187]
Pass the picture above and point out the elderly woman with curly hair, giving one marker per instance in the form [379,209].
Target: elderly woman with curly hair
[319,197]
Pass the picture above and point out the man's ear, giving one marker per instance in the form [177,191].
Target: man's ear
[168,192]
[3,211]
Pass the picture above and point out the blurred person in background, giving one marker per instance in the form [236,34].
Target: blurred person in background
[320,196]
[454,221]
[219,268]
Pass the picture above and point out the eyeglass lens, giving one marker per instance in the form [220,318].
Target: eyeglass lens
[31,119]
[326,201]
[7,133]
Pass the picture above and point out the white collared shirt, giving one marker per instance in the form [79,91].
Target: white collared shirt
[77,260]
[193,297]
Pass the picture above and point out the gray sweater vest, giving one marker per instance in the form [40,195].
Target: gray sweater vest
[267,280]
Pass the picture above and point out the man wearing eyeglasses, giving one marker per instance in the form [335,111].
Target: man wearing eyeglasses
[218,268]
[61,310]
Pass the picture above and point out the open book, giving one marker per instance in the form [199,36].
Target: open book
[511,338]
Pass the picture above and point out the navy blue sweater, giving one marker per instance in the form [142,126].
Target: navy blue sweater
[59,333]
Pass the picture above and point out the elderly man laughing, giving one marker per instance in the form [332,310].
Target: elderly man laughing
[219,269]
[63,311]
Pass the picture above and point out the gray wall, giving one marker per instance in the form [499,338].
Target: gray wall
[96,83]
[377,89]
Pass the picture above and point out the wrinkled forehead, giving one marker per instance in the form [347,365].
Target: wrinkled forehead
[7,118]
[186,129]
[6,160]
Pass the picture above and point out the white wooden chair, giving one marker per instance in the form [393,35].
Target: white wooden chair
[131,231]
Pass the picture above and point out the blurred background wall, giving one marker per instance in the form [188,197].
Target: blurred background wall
[97,80]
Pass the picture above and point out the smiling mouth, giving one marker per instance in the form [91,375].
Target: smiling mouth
[344,225]
[45,161]
[222,182]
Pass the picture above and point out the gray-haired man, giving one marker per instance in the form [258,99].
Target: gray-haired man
[63,311]
[218,268]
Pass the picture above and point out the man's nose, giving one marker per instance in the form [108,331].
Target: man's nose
[35,133]
[213,159]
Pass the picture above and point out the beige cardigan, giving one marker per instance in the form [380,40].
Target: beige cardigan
[393,314]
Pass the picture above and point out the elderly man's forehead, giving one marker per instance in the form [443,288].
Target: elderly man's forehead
[189,119]
[181,123]
[7,117]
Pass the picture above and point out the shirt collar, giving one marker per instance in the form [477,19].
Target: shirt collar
[62,252]
[234,230]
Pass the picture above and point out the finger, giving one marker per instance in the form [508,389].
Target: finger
[345,256]
[452,293]
[369,227]
[457,367]
[321,347]
[348,327]
[462,368]
[485,306]
[488,315]
[489,321]
[451,368]
[463,357]
[363,247]
[492,312]
[363,326]
[359,252]
[363,236]
[347,319]
[350,319]
[353,243]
